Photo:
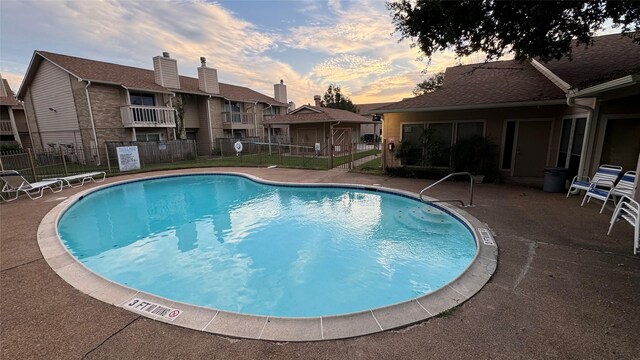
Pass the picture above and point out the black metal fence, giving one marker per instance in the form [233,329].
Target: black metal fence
[156,155]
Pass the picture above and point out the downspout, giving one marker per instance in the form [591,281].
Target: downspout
[93,125]
[571,101]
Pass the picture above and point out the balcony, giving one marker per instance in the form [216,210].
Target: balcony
[5,128]
[237,117]
[134,116]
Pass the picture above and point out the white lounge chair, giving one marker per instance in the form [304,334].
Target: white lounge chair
[629,210]
[624,187]
[14,183]
[606,176]
[80,179]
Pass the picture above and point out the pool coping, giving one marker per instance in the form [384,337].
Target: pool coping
[226,323]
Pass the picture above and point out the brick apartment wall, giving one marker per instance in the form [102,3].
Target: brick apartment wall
[217,107]
[105,104]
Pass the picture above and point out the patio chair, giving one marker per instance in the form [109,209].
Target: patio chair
[14,183]
[629,210]
[622,188]
[606,176]
[80,179]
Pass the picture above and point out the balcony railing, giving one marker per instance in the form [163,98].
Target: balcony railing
[5,128]
[266,117]
[237,117]
[147,116]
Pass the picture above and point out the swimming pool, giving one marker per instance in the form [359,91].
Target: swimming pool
[240,245]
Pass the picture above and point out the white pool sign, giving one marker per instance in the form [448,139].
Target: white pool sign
[238,147]
[151,308]
[128,158]
[487,239]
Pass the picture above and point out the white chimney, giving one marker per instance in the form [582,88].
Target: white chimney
[208,78]
[3,91]
[166,71]
[317,99]
[280,92]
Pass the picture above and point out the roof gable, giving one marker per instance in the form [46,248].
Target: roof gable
[312,114]
[8,100]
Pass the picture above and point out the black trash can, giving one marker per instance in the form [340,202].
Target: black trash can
[554,179]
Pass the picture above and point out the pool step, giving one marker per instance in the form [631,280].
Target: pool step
[411,222]
[437,218]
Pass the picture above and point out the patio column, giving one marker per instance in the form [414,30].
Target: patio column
[14,128]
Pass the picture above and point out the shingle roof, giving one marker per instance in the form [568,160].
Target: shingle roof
[8,100]
[610,57]
[312,114]
[499,82]
[368,109]
[144,79]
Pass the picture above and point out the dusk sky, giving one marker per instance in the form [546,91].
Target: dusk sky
[308,44]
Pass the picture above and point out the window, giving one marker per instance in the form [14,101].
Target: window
[412,133]
[143,99]
[571,145]
[148,137]
[233,110]
[509,140]
[468,130]
[442,136]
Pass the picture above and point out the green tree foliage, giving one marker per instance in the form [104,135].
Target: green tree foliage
[540,29]
[333,98]
[430,85]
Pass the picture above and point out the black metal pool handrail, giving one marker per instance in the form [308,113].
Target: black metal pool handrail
[456,200]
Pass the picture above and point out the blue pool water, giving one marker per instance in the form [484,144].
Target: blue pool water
[231,243]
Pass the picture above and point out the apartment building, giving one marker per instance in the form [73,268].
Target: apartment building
[84,103]
[13,123]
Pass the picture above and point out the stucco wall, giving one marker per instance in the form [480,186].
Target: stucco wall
[494,120]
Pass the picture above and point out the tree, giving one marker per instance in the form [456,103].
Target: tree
[529,29]
[430,85]
[333,98]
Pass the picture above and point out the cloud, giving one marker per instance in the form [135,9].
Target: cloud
[13,79]
[348,67]
[384,89]
[355,38]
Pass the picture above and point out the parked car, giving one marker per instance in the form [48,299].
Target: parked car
[370,138]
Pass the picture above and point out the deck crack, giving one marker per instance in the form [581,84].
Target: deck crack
[17,266]
[110,336]
[525,269]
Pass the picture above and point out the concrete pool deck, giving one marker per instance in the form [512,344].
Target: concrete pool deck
[562,289]
[316,328]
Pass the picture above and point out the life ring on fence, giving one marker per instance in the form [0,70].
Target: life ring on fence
[238,146]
